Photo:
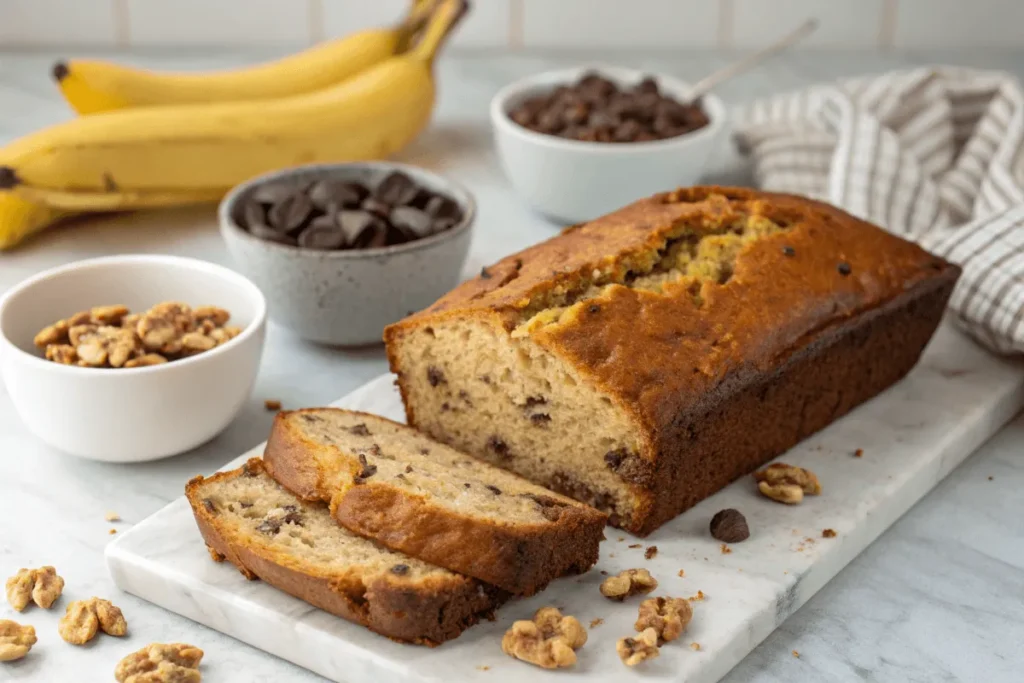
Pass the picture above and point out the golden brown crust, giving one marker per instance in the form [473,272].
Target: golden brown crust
[426,612]
[519,558]
[795,299]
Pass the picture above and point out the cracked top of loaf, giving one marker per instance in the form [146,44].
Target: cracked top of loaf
[669,295]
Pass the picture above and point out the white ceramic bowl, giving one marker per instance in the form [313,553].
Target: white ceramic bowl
[137,414]
[347,297]
[574,181]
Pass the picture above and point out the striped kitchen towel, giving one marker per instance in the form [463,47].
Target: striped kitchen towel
[935,155]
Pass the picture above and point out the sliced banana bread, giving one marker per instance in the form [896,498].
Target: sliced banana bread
[390,483]
[268,533]
[643,360]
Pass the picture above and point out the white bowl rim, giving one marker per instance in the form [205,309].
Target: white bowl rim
[102,261]
[227,205]
[499,110]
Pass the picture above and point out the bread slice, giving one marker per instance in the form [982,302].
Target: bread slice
[268,533]
[390,483]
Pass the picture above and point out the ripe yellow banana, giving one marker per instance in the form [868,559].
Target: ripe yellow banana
[20,218]
[213,147]
[92,86]
[111,200]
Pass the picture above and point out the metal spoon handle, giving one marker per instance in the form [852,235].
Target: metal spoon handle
[708,83]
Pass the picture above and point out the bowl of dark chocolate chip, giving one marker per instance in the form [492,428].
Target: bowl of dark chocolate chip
[579,143]
[342,250]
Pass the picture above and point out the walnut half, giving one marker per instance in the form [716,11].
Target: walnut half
[633,650]
[628,583]
[549,641]
[42,586]
[83,618]
[161,663]
[15,640]
[787,483]
[669,617]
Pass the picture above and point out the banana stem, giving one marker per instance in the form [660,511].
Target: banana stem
[413,22]
[440,27]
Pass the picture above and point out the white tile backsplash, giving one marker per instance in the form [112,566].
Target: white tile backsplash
[840,24]
[487,25]
[620,23]
[959,23]
[57,22]
[218,22]
[522,24]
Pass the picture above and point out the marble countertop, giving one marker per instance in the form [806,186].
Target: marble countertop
[937,597]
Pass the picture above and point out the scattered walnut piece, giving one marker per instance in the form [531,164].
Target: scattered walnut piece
[682,573]
[787,483]
[632,651]
[795,653]
[725,549]
[594,623]
[828,533]
[42,586]
[112,531]
[549,641]
[668,617]
[15,640]
[628,583]
[161,663]
[730,526]
[271,404]
[695,646]
[859,453]
[650,552]
[635,545]
[145,360]
[84,617]
[699,597]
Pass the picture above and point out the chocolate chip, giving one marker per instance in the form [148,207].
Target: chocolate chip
[359,430]
[466,484]
[532,401]
[254,213]
[441,207]
[498,446]
[328,193]
[540,418]
[291,213]
[445,407]
[367,471]
[494,489]
[647,85]
[730,526]
[435,376]
[844,268]
[309,418]
[788,251]
[614,458]
[267,233]
[360,228]
[323,234]
[272,193]
[485,274]
[408,469]
[397,189]
[209,505]
[594,308]
[269,526]
[549,507]
[245,506]
[413,223]
[400,569]
[293,517]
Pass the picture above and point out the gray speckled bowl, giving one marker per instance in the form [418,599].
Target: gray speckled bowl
[348,297]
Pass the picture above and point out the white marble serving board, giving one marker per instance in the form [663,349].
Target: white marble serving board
[911,437]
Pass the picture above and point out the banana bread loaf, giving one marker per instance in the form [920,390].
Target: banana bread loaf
[644,360]
[268,533]
[390,483]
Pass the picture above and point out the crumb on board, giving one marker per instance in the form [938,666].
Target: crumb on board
[611,554]
[699,597]
[484,667]
[681,573]
[695,646]
[635,545]
[859,453]
[808,539]
[272,404]
[112,517]
[990,478]
[604,573]
[620,539]
[828,533]
[594,623]
[725,549]
[112,532]
[795,653]
[651,551]
[786,572]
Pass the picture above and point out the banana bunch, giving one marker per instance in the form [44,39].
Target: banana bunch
[152,140]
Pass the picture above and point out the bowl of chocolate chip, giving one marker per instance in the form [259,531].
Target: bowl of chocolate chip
[579,143]
[342,250]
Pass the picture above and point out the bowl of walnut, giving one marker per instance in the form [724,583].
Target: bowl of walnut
[131,358]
